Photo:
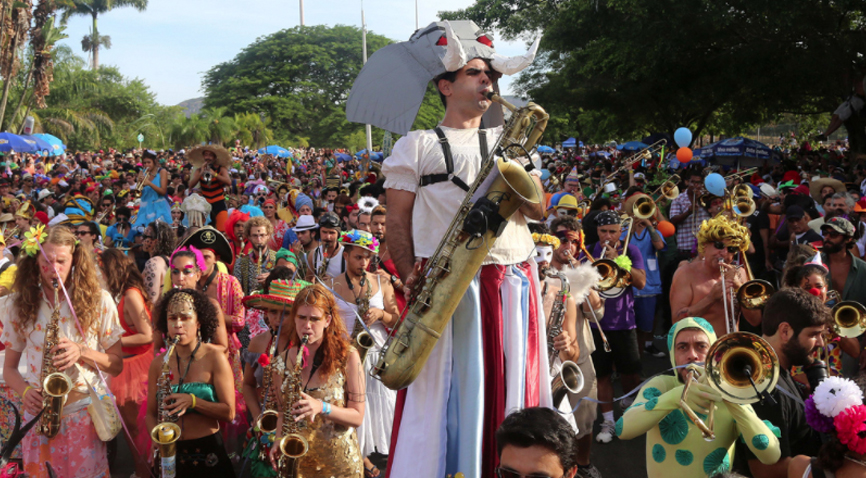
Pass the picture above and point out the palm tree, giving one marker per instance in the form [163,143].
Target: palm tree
[221,128]
[253,129]
[93,8]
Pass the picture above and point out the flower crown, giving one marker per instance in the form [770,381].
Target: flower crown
[359,238]
[32,238]
[545,239]
[837,405]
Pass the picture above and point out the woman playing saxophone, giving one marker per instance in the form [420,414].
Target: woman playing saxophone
[330,389]
[201,384]
[36,312]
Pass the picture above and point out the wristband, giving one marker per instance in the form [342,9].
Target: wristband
[27,389]
[192,407]
[326,408]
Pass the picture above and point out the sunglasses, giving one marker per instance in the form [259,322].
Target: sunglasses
[831,233]
[503,473]
[721,246]
[81,233]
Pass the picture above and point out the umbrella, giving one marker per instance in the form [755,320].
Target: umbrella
[632,146]
[546,150]
[343,157]
[375,155]
[277,151]
[41,144]
[12,142]
[570,143]
[747,152]
[57,146]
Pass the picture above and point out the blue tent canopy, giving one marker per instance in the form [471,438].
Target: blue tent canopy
[570,143]
[632,146]
[747,152]
[545,150]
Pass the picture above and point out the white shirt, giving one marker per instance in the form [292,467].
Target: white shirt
[419,154]
[29,342]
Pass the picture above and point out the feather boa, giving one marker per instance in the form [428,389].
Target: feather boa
[581,280]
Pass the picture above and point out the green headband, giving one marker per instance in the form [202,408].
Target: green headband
[288,255]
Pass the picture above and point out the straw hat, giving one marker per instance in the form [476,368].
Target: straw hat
[223,157]
[282,293]
[816,186]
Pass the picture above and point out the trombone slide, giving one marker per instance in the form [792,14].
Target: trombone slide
[706,428]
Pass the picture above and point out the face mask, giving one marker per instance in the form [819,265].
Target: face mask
[543,254]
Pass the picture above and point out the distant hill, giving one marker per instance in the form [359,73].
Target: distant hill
[192,106]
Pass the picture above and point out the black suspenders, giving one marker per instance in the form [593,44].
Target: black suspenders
[449,161]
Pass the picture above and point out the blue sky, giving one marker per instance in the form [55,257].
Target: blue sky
[173,42]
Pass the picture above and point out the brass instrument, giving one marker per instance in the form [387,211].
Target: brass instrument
[292,445]
[11,232]
[644,154]
[104,214]
[741,175]
[742,367]
[610,277]
[322,270]
[478,222]
[568,377]
[56,385]
[361,339]
[166,433]
[139,186]
[754,293]
[849,318]
[669,189]
[730,316]
[268,418]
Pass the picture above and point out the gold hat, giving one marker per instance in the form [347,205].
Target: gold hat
[26,210]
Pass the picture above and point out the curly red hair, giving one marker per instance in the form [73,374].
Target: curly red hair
[335,342]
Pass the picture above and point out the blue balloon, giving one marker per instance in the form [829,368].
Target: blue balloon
[715,184]
[545,173]
[683,137]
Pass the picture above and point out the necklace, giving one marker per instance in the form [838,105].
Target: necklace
[859,462]
[361,285]
[188,364]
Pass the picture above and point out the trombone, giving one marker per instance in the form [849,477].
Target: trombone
[644,154]
[741,174]
[669,189]
[754,293]
[741,366]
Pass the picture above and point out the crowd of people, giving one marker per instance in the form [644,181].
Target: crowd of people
[239,309]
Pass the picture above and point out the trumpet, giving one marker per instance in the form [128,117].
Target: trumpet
[139,186]
[741,366]
[644,154]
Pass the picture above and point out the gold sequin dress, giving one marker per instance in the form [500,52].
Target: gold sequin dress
[334,450]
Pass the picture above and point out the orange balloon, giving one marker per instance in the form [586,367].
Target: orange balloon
[666,229]
[684,155]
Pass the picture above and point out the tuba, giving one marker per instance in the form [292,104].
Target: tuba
[56,385]
[292,445]
[849,319]
[568,378]
[166,433]
[741,366]
[481,218]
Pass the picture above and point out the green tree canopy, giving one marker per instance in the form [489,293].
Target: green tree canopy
[621,68]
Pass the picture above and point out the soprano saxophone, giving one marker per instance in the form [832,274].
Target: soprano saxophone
[166,433]
[292,445]
[568,377]
[56,385]
[501,187]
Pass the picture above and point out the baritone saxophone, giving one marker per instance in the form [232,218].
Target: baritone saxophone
[501,187]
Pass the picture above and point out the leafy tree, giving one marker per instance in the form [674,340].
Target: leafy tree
[92,42]
[299,77]
[628,67]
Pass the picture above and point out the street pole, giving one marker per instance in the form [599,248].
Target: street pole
[416,15]
[302,12]
[366,162]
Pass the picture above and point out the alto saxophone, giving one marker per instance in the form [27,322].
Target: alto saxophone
[56,385]
[292,445]
[166,433]
[481,218]
[361,339]
[267,420]
[568,377]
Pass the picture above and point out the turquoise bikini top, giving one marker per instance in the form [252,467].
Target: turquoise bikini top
[201,390]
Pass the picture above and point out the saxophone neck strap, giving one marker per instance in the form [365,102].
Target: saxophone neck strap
[449,160]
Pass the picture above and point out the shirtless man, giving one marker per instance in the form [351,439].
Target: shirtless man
[697,289]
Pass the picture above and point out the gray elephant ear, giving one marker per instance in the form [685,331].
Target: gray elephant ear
[455,56]
[515,64]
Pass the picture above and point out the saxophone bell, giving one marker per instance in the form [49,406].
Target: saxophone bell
[165,435]
[569,379]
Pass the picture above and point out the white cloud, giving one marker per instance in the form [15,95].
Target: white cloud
[172,43]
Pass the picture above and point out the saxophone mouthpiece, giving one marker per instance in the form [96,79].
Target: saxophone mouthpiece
[490,94]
